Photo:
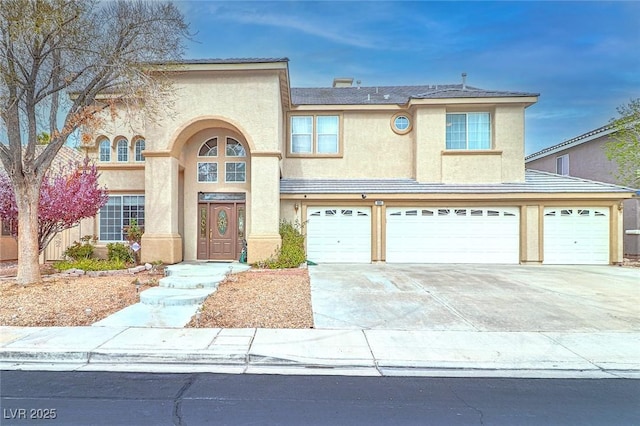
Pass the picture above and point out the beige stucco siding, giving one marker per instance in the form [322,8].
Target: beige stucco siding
[508,128]
[249,102]
[370,150]
[430,137]
[122,179]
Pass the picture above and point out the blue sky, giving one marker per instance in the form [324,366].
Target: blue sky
[582,57]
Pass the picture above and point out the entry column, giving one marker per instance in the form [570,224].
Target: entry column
[161,240]
[263,206]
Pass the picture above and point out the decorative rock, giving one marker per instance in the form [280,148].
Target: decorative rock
[148,266]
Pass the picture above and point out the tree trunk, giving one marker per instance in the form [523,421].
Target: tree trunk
[27,198]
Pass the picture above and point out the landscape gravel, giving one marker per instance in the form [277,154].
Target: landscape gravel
[257,298]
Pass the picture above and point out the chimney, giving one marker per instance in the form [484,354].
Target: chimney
[342,82]
[464,81]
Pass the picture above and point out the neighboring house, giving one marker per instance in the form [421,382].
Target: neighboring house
[584,157]
[59,243]
[431,173]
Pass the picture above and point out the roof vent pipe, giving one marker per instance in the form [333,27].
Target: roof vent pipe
[358,83]
[464,81]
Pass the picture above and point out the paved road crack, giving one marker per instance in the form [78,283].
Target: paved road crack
[477,410]
[177,401]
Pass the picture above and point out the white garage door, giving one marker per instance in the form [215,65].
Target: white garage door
[576,235]
[339,234]
[453,235]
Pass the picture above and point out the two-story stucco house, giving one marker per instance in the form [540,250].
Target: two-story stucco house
[431,173]
[584,156]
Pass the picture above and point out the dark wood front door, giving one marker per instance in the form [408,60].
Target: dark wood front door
[221,230]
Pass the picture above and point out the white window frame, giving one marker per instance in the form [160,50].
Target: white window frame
[234,172]
[466,131]
[314,136]
[140,211]
[215,164]
[140,146]
[562,165]
[107,152]
[125,153]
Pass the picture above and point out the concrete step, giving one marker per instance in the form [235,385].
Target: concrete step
[204,269]
[160,296]
[141,315]
[191,282]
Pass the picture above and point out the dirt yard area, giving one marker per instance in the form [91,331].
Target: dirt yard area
[257,298]
[260,298]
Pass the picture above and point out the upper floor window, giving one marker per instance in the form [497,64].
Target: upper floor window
[315,134]
[209,148]
[123,150]
[401,123]
[139,147]
[105,150]
[562,165]
[469,130]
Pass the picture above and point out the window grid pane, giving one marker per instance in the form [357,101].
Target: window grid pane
[235,172]
[301,134]
[117,213]
[209,148]
[468,131]
[207,172]
[456,131]
[140,144]
[479,130]
[235,148]
[105,150]
[327,134]
[123,150]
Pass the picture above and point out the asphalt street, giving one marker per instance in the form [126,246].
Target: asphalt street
[83,398]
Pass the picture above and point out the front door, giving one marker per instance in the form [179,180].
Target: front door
[221,230]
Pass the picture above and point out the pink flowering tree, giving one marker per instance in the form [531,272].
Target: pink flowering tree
[67,195]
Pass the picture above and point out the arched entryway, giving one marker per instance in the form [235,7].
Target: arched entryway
[216,176]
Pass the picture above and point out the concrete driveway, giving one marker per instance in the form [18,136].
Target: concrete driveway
[476,297]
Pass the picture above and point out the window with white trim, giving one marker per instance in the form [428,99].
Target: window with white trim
[471,130]
[105,150]
[209,148]
[118,213]
[314,134]
[123,150]
[562,165]
[235,171]
[207,172]
[139,147]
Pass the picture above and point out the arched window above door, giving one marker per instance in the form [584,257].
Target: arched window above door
[209,148]
[235,148]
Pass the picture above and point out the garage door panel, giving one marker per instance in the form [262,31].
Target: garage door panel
[576,235]
[339,234]
[453,235]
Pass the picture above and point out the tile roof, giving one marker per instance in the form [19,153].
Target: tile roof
[535,182]
[389,95]
[63,157]
[234,60]
[578,140]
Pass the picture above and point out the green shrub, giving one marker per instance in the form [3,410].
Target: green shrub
[90,265]
[82,249]
[119,251]
[291,253]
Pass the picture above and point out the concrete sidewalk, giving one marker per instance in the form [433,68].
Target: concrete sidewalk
[322,351]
